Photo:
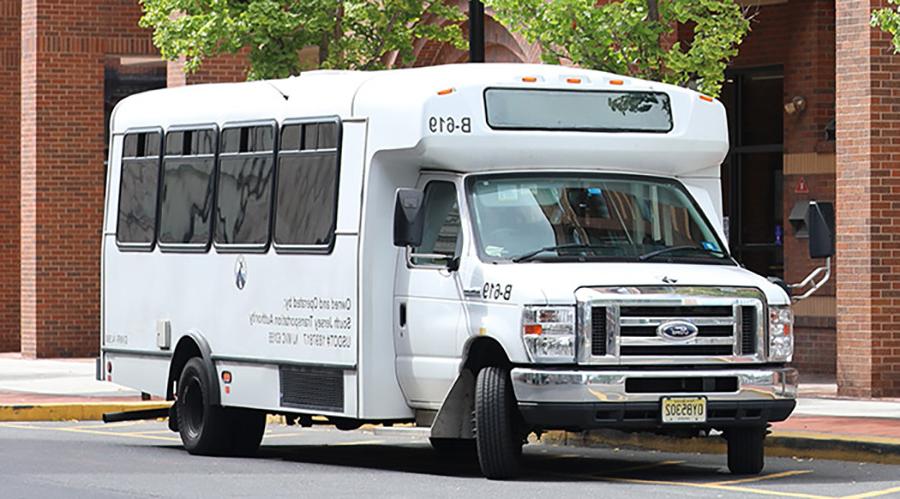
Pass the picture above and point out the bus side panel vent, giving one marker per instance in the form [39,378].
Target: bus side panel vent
[748,330]
[312,388]
[598,331]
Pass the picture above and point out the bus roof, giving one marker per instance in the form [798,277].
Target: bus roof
[402,104]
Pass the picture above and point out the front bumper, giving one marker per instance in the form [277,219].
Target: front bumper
[582,399]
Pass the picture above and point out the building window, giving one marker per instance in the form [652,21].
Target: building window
[307,185]
[187,188]
[245,182]
[136,224]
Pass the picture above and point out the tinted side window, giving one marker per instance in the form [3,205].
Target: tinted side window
[442,225]
[244,192]
[137,189]
[306,198]
[187,187]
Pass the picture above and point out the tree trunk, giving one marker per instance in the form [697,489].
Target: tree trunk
[653,10]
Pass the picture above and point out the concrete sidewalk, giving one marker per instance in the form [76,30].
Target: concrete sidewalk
[823,425]
[60,389]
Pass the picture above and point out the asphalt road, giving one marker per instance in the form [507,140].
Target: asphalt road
[144,459]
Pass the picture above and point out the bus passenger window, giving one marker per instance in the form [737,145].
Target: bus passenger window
[244,190]
[187,187]
[442,225]
[307,184]
[137,190]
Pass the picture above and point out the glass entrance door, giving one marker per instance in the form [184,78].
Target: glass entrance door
[752,174]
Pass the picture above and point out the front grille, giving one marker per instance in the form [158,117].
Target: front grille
[677,350]
[598,331]
[312,388]
[748,330]
[638,330]
[676,311]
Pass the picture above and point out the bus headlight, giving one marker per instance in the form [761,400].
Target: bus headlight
[549,333]
[781,333]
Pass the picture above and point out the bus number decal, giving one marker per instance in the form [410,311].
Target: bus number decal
[449,124]
[492,291]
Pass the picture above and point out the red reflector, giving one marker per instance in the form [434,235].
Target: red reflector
[533,329]
[108,377]
[227,390]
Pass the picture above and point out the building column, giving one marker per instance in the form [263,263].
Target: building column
[868,205]
[9,175]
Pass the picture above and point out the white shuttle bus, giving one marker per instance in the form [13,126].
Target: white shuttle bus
[491,250]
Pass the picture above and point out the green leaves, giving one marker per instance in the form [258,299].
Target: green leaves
[348,34]
[888,20]
[620,36]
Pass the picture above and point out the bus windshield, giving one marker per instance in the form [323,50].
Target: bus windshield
[585,217]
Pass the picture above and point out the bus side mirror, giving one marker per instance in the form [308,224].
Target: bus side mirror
[820,222]
[409,221]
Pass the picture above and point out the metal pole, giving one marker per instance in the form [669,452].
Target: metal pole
[476,31]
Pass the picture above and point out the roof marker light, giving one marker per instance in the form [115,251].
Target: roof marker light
[573,80]
[446,91]
[529,79]
[616,82]
[706,98]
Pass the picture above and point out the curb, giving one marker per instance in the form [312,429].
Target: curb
[65,411]
[805,445]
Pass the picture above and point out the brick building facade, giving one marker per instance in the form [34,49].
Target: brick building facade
[63,63]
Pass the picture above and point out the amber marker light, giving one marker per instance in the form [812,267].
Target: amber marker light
[616,82]
[446,91]
[529,79]
[533,329]
[573,80]
[706,98]
[226,377]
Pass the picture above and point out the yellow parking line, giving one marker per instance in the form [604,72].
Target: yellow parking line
[874,493]
[93,432]
[763,477]
[729,488]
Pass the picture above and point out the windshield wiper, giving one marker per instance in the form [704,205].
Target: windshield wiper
[671,249]
[531,254]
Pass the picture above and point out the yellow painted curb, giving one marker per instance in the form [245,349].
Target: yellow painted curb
[78,411]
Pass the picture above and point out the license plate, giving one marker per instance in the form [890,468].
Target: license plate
[684,409]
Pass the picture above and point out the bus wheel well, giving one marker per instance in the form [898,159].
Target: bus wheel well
[184,351]
[485,352]
[454,419]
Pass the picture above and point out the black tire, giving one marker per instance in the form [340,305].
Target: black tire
[204,428]
[247,427]
[746,450]
[497,434]
[454,446]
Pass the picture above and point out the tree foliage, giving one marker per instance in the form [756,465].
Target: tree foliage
[888,20]
[628,36]
[349,34]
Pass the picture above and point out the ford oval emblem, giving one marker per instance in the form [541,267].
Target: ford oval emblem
[677,330]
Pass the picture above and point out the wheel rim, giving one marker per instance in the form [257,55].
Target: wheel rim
[194,408]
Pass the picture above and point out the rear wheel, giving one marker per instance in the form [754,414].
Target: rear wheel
[204,428]
[497,434]
[746,450]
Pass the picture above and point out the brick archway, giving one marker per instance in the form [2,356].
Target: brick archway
[500,46]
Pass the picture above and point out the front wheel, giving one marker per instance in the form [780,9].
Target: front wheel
[746,450]
[497,435]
